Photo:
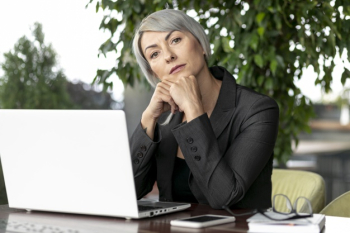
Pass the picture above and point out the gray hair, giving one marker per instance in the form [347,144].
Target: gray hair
[166,21]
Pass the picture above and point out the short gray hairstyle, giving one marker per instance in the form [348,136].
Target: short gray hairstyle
[166,21]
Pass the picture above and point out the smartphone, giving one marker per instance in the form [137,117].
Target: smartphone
[202,221]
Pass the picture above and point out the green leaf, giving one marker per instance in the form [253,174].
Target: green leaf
[261,31]
[97,6]
[254,42]
[260,17]
[345,76]
[273,66]
[260,80]
[271,9]
[269,84]
[258,60]
[137,7]
[280,61]
[278,21]
[217,44]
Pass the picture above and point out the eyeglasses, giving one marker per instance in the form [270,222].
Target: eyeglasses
[282,209]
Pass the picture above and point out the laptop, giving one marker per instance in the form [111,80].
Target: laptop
[72,161]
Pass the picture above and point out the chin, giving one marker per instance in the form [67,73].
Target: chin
[185,74]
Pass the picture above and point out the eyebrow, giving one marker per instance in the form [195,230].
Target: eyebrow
[165,38]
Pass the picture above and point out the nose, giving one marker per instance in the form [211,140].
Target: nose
[169,56]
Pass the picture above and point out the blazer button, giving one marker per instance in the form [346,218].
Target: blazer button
[189,140]
[143,148]
[139,155]
[197,157]
[194,149]
[136,161]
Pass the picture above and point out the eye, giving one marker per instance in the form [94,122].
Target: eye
[154,55]
[176,40]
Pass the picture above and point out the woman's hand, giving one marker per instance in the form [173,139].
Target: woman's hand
[161,101]
[186,94]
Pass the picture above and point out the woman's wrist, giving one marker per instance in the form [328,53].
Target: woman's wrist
[193,112]
[148,123]
[149,117]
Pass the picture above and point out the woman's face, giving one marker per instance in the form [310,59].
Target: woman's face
[173,54]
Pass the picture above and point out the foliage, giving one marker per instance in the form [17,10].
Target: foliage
[33,80]
[265,44]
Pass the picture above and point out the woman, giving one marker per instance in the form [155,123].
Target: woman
[203,137]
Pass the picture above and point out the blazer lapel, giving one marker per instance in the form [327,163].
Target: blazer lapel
[226,102]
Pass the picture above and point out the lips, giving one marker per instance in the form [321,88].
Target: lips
[176,68]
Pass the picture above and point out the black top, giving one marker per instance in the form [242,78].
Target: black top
[181,189]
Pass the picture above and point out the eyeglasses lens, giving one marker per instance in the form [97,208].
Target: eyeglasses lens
[302,206]
[282,204]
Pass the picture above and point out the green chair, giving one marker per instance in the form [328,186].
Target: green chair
[294,183]
[339,207]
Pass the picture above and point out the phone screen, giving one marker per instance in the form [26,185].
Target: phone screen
[203,219]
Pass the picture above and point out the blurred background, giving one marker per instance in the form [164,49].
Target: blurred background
[76,54]
[71,36]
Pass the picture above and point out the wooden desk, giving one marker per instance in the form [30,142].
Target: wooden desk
[70,223]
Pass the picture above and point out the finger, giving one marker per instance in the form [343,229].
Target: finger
[165,97]
[174,107]
[165,85]
[164,90]
[169,79]
[172,103]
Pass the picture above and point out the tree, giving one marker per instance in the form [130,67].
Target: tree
[265,44]
[32,79]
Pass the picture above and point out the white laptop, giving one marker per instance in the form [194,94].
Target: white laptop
[72,161]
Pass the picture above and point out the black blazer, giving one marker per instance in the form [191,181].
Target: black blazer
[230,155]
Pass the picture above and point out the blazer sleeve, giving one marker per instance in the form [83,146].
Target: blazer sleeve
[224,175]
[142,150]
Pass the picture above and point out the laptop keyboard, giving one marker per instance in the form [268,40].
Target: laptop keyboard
[144,208]
[25,227]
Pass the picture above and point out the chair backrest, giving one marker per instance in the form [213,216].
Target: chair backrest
[294,183]
[339,207]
